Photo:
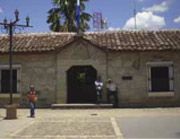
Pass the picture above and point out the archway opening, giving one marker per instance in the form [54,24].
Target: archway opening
[80,84]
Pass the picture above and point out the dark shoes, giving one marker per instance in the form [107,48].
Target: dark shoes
[32,116]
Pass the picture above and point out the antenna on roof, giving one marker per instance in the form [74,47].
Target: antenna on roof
[135,22]
[98,22]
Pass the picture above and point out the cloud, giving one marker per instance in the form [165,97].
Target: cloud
[177,20]
[145,20]
[112,28]
[163,7]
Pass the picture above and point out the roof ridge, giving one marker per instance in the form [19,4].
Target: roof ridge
[41,33]
[137,30]
[91,32]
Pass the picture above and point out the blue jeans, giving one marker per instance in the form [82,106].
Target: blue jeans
[32,108]
[99,96]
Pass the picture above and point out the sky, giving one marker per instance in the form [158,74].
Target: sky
[150,14]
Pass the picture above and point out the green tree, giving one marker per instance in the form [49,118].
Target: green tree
[62,17]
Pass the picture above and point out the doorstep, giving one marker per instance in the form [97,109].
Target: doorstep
[81,106]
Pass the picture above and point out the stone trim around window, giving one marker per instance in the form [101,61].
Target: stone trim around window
[169,93]
[18,68]
[8,95]
[161,94]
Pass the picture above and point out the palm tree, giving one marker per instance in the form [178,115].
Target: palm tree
[62,17]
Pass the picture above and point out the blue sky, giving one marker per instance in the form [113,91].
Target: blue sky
[151,14]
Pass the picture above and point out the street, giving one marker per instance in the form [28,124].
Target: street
[92,124]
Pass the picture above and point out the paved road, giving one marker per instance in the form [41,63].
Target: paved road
[150,127]
[92,124]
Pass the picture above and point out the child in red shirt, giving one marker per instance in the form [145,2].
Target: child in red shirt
[32,99]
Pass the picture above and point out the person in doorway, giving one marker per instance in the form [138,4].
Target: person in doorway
[99,87]
[111,88]
[32,100]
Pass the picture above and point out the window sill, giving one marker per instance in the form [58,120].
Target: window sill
[8,95]
[161,94]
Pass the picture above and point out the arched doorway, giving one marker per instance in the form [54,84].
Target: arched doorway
[80,84]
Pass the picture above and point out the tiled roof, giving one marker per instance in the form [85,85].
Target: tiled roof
[112,40]
[137,40]
[35,42]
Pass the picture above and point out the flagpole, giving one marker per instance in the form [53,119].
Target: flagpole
[78,16]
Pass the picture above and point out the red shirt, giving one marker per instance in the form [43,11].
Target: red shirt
[32,96]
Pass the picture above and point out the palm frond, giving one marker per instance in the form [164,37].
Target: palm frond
[62,18]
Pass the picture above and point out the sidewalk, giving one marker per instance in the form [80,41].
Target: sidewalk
[73,124]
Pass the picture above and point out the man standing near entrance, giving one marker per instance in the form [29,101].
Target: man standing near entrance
[112,91]
[32,98]
[99,87]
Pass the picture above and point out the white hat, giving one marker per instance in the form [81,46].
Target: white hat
[108,80]
[32,86]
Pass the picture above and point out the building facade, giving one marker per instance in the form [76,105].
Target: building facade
[63,67]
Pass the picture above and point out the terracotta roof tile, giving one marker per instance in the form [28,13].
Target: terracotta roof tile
[112,40]
[142,40]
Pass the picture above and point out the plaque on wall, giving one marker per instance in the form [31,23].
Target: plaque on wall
[127,77]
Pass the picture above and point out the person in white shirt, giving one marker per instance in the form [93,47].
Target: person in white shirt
[112,88]
[99,87]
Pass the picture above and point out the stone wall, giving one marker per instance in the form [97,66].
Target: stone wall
[78,54]
[47,72]
[134,92]
[35,69]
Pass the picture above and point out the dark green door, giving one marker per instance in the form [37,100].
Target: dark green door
[80,83]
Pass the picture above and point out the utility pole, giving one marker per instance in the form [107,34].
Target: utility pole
[135,22]
[10,28]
